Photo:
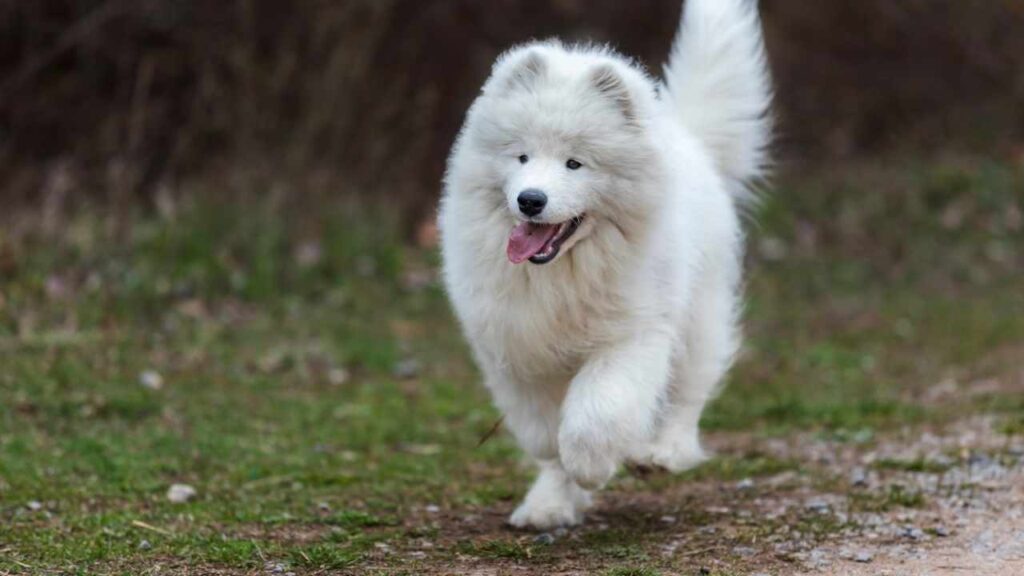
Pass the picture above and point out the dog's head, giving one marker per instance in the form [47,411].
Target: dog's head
[564,138]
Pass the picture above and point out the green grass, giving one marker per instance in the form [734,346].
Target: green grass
[632,572]
[278,334]
[893,497]
[915,465]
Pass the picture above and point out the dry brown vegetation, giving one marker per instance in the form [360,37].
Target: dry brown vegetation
[131,95]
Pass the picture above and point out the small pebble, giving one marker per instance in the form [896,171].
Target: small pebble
[145,545]
[668,519]
[980,460]
[545,539]
[407,369]
[324,507]
[818,558]
[417,555]
[34,505]
[745,484]
[773,249]
[942,531]
[181,493]
[859,478]
[151,380]
[337,376]
[432,509]
[912,532]
[817,505]
[863,557]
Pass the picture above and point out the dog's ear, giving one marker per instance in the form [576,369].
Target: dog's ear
[610,84]
[526,71]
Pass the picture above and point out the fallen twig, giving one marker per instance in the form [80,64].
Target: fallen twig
[700,551]
[491,432]
[151,528]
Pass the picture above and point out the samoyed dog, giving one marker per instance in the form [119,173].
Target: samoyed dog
[592,246]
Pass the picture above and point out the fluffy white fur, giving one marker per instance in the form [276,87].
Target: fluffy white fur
[609,353]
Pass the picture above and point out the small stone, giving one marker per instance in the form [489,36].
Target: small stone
[275,567]
[912,532]
[432,509]
[942,531]
[324,507]
[817,558]
[145,545]
[407,369]
[151,380]
[979,460]
[668,519]
[561,532]
[745,484]
[773,249]
[863,557]
[417,555]
[817,505]
[337,376]
[34,505]
[743,551]
[545,539]
[859,478]
[181,493]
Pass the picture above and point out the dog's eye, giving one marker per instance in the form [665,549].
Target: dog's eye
[573,164]
[524,159]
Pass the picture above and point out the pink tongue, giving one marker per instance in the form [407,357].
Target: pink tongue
[527,240]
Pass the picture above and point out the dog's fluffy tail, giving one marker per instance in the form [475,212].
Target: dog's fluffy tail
[718,78]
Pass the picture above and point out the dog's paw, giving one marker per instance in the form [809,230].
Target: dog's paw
[674,454]
[545,514]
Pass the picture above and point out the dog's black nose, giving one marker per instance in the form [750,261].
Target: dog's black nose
[532,202]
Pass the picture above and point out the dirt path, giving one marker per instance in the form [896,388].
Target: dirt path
[942,500]
[964,515]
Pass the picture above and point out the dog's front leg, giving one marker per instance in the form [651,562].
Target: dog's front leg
[612,405]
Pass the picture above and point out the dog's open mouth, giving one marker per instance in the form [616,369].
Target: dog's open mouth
[540,243]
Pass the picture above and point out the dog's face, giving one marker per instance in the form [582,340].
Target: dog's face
[561,134]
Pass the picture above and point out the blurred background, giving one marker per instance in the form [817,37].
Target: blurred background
[122,100]
[218,269]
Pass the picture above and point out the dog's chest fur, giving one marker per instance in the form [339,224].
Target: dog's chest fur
[541,323]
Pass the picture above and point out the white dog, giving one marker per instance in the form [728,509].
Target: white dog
[592,246]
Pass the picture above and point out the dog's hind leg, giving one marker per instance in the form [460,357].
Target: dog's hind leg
[710,347]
